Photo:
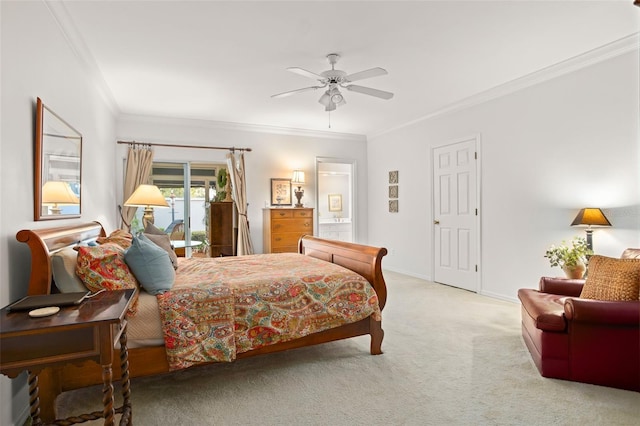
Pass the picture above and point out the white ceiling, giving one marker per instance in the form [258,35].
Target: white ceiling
[222,61]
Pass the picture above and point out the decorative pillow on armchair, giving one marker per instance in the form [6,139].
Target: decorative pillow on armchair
[103,266]
[612,279]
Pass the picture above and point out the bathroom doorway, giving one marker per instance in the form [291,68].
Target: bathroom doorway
[336,216]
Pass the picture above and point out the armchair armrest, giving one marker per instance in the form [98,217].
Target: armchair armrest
[561,286]
[603,312]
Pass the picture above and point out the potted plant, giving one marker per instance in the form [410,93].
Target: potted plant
[572,259]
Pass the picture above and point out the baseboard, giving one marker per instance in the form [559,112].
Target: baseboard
[408,273]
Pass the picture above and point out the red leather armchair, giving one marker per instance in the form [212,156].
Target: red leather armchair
[582,340]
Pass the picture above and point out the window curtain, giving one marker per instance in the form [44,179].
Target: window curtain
[139,163]
[238,186]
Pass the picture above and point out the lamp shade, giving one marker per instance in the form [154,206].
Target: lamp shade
[298,177]
[58,192]
[147,195]
[589,217]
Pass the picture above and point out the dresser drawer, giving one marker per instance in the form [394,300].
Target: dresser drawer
[303,213]
[285,239]
[288,225]
[281,214]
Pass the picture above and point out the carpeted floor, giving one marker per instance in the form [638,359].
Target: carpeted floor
[451,357]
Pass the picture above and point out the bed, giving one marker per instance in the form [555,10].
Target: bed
[151,358]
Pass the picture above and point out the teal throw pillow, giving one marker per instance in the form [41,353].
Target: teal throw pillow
[151,265]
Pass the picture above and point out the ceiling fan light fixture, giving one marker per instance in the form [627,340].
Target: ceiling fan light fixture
[325,99]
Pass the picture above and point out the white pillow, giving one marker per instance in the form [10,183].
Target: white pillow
[63,264]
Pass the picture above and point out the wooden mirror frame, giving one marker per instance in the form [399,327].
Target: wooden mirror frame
[60,130]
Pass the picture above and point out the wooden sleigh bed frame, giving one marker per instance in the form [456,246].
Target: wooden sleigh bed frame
[145,361]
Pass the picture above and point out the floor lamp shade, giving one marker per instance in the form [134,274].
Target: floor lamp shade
[147,196]
[590,217]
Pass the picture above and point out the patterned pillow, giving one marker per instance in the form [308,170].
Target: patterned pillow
[103,266]
[119,237]
[612,279]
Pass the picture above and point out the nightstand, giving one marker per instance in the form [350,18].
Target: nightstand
[76,334]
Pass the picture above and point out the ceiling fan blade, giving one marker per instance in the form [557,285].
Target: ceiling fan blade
[293,92]
[373,72]
[369,91]
[306,73]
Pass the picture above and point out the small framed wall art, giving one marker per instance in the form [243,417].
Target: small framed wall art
[335,202]
[393,191]
[393,177]
[393,206]
[280,192]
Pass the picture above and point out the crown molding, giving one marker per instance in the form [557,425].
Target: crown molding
[79,47]
[610,50]
[241,127]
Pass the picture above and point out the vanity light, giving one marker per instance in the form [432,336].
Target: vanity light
[298,179]
[147,196]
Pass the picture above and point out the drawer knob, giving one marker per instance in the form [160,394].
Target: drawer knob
[278,239]
[307,224]
[281,213]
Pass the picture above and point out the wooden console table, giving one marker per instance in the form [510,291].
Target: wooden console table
[76,334]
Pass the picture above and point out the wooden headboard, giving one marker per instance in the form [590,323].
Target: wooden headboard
[43,242]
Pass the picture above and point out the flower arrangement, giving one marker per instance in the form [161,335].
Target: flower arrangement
[567,256]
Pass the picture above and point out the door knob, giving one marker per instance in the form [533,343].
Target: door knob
[436,222]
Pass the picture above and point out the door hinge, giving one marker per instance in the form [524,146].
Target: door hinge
[476,212]
[475,155]
[476,268]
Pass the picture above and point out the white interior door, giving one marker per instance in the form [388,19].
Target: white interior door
[455,219]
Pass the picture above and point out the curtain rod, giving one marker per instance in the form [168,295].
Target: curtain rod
[232,149]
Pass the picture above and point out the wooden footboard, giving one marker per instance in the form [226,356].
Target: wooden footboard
[364,260]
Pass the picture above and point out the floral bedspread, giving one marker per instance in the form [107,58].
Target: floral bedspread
[222,306]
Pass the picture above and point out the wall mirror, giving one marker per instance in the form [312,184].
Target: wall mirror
[57,172]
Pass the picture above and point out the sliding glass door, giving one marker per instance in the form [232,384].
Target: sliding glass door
[189,189]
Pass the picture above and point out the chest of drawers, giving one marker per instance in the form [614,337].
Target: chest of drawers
[283,227]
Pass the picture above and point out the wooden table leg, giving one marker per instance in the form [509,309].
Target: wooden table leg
[127,415]
[107,394]
[34,400]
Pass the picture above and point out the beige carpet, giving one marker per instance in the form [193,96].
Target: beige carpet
[450,358]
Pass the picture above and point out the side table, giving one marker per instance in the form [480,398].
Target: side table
[76,334]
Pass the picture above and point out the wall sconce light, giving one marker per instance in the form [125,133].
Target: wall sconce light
[590,217]
[147,196]
[58,193]
[298,179]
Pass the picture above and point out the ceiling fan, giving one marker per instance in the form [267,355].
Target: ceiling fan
[334,80]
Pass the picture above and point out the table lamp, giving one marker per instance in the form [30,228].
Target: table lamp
[298,179]
[147,196]
[590,217]
[58,193]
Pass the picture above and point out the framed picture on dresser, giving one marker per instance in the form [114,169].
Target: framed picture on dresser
[280,192]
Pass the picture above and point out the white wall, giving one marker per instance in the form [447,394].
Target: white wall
[546,151]
[273,155]
[37,62]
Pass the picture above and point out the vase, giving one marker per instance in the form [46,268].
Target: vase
[574,271]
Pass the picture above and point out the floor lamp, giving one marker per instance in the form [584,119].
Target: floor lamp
[590,217]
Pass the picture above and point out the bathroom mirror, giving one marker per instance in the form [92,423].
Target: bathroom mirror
[57,172]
